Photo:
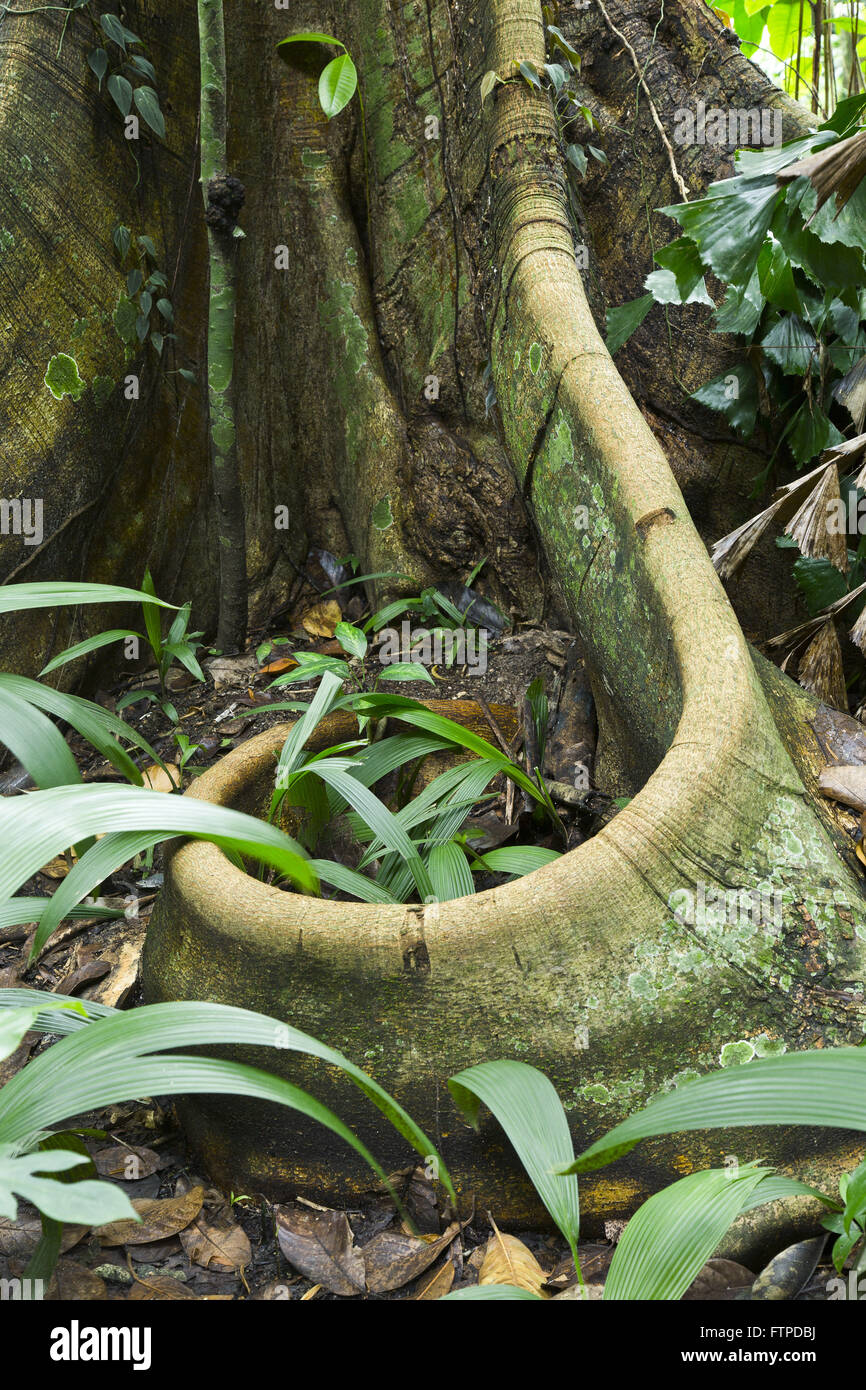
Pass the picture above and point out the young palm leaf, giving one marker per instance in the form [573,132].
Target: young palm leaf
[101,859]
[526,1105]
[34,828]
[17,598]
[801,1088]
[670,1238]
[97,725]
[90,644]
[123,1056]
[37,743]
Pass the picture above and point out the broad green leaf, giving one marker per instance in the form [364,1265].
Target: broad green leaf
[152,620]
[517,859]
[740,310]
[307,670]
[734,394]
[337,84]
[97,725]
[34,828]
[112,26]
[791,346]
[526,1105]
[18,911]
[90,644]
[557,74]
[377,816]
[15,598]
[622,321]
[310,36]
[348,880]
[121,238]
[810,433]
[143,66]
[102,859]
[406,671]
[122,1056]
[86,1203]
[35,742]
[749,18]
[562,43]
[777,279]
[292,750]
[486,1293]
[730,225]
[351,639]
[147,103]
[488,82]
[801,1088]
[576,155]
[97,60]
[14,1023]
[384,615]
[681,277]
[376,760]
[670,1238]
[783,23]
[449,872]
[832,265]
[819,582]
[412,712]
[120,91]
[529,74]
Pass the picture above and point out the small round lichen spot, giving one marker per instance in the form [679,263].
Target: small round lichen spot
[516,358]
[735,1054]
[598,1093]
[769,1047]
[381,515]
[63,379]
[535,358]
[640,986]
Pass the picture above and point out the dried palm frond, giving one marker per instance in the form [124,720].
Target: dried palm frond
[730,552]
[858,632]
[803,630]
[821,671]
[837,169]
[850,391]
[810,527]
[845,455]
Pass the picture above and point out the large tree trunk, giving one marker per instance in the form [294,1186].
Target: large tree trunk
[469,255]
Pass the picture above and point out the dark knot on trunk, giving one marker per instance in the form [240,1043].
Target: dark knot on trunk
[225,198]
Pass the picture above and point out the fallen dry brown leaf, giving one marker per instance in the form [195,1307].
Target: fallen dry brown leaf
[158,1287]
[392,1258]
[75,1283]
[126,1163]
[160,1217]
[322,618]
[439,1283]
[217,1243]
[508,1261]
[321,1246]
[845,783]
[157,779]
[274,668]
